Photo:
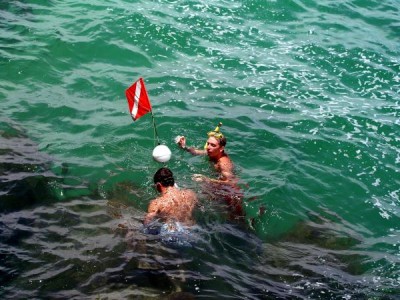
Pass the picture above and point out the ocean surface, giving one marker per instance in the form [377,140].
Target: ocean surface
[309,96]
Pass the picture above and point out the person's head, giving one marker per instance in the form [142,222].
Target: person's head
[216,146]
[218,136]
[164,177]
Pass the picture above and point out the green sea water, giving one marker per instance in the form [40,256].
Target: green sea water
[308,94]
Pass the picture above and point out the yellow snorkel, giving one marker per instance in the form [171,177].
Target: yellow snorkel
[216,132]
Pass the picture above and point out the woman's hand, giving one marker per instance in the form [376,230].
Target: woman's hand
[181,141]
[199,178]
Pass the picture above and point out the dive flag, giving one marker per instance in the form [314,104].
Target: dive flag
[138,100]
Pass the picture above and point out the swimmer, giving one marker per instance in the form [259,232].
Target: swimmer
[225,186]
[173,204]
[215,150]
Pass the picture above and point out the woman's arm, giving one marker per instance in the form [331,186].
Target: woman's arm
[182,143]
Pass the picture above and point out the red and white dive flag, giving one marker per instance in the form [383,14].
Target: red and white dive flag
[138,100]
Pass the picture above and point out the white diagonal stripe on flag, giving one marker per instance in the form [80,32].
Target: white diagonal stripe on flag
[136,98]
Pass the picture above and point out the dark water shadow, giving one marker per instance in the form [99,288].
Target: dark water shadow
[319,258]
[26,176]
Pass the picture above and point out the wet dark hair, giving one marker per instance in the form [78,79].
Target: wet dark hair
[164,176]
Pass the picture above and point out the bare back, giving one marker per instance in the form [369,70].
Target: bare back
[174,204]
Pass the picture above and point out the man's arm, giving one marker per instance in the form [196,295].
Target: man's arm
[152,212]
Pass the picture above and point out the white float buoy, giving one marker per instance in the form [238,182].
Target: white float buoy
[161,153]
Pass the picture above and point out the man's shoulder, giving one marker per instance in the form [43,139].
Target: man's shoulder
[154,204]
[188,192]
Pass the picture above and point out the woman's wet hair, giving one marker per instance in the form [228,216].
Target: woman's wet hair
[164,176]
[219,137]
[222,141]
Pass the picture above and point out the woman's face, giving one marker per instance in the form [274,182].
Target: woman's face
[213,147]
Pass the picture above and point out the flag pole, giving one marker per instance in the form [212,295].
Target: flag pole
[155,128]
